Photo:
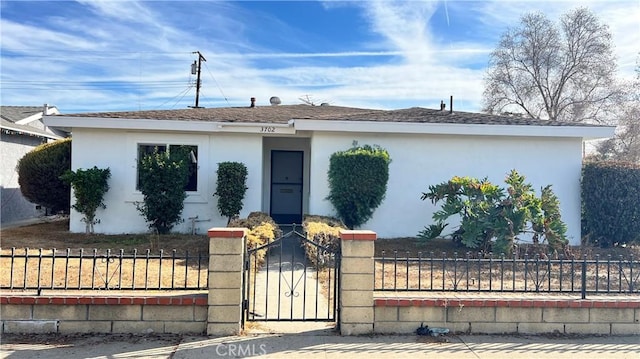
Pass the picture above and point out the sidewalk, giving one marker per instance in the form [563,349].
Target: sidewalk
[322,344]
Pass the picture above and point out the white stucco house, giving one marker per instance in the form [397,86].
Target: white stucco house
[286,149]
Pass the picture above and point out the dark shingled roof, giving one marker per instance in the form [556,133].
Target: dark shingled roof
[9,115]
[284,113]
[17,113]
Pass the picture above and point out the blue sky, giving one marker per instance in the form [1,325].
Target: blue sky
[86,56]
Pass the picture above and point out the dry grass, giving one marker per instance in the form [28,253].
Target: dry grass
[56,235]
[69,270]
[399,274]
[121,272]
[107,260]
[404,272]
[412,246]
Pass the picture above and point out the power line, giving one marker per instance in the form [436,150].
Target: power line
[80,85]
[64,54]
[219,88]
[91,82]
[182,94]
[109,85]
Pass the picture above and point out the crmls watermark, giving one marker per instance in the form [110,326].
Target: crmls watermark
[240,350]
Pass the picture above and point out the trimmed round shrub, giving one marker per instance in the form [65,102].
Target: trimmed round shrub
[230,188]
[358,182]
[39,174]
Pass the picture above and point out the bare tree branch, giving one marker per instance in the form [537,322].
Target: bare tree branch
[560,72]
[625,146]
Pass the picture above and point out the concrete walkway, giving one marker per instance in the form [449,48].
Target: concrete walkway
[320,344]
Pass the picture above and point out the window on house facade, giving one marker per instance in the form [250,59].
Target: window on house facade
[147,149]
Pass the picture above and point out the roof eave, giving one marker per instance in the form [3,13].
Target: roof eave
[70,122]
[584,132]
[22,129]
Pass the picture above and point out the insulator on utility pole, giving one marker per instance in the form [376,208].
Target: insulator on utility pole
[195,69]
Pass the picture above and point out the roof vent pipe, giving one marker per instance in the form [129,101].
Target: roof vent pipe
[451,104]
[253,102]
[442,105]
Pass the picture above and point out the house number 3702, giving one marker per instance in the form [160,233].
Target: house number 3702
[269,129]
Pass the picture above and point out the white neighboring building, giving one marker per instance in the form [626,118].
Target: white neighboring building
[22,131]
[287,148]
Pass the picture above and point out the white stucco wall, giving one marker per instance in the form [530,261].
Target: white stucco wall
[245,148]
[417,162]
[422,160]
[117,150]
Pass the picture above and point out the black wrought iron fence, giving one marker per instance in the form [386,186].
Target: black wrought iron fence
[38,269]
[399,272]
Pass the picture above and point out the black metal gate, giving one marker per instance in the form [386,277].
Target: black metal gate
[291,279]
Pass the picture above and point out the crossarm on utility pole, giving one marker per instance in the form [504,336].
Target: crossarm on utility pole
[200,59]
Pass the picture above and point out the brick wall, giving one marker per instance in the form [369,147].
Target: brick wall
[509,315]
[363,311]
[403,313]
[104,314]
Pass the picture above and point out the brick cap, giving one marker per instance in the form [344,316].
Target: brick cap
[194,299]
[358,235]
[505,302]
[227,232]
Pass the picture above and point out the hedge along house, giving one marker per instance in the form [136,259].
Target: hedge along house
[286,149]
[21,131]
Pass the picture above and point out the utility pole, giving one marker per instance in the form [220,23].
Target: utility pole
[195,69]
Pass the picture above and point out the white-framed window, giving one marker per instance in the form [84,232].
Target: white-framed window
[198,188]
[150,148]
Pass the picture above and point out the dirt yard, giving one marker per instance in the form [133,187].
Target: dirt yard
[55,234]
[44,237]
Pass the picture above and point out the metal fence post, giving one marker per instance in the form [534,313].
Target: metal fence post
[583,289]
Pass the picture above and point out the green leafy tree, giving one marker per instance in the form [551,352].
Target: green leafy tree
[39,174]
[492,218]
[358,182]
[89,188]
[231,188]
[163,176]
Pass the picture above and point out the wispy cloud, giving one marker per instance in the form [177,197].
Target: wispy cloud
[21,38]
[130,11]
[115,55]
[403,25]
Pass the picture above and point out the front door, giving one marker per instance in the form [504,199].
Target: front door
[286,186]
